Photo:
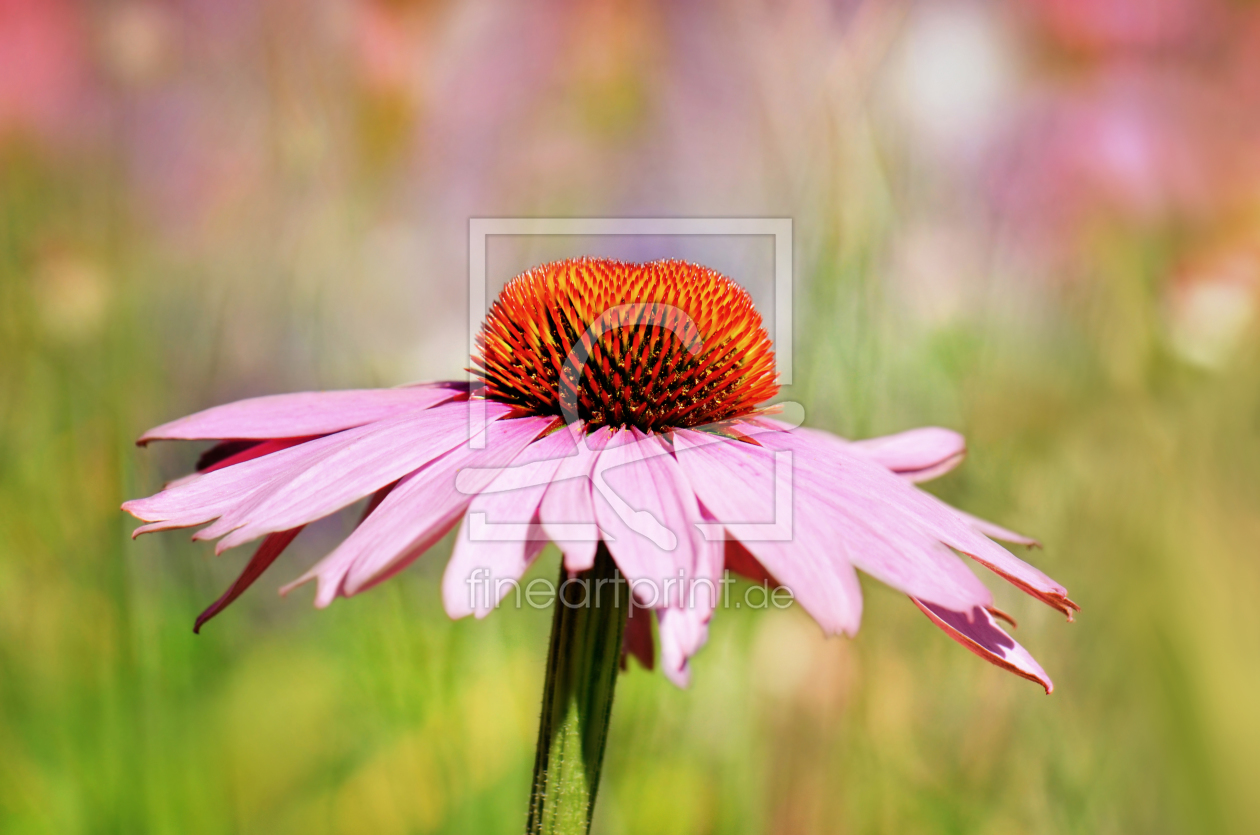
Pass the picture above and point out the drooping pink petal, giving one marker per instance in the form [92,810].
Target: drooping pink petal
[646,505]
[677,644]
[302,413]
[919,454]
[395,447]
[271,547]
[684,630]
[1028,580]
[567,511]
[856,528]
[885,544]
[211,495]
[637,640]
[855,481]
[644,502]
[418,512]
[923,454]
[499,538]
[980,633]
[705,590]
[735,482]
[997,532]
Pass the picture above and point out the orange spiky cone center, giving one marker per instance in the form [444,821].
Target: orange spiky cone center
[655,346]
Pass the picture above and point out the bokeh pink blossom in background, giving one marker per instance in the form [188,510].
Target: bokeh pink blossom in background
[1034,222]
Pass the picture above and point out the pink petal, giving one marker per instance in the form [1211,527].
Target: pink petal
[735,481]
[251,451]
[919,454]
[887,543]
[211,495]
[303,413]
[980,633]
[996,532]
[417,513]
[480,572]
[567,511]
[271,547]
[924,454]
[650,512]
[685,629]
[855,480]
[395,446]
[1031,581]
[258,450]
[836,527]
[676,633]
[645,503]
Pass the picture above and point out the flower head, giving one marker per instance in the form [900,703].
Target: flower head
[624,404]
[665,345]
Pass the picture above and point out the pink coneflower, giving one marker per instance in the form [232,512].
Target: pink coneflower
[620,416]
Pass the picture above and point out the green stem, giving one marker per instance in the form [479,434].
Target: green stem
[582,666]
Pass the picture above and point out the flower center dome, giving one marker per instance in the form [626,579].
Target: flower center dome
[655,346]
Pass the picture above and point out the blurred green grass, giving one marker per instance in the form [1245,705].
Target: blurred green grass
[381,716]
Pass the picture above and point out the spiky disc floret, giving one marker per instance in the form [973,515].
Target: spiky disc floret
[666,344]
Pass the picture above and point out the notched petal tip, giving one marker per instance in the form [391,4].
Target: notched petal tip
[1058,601]
[1052,594]
[1069,608]
[1000,615]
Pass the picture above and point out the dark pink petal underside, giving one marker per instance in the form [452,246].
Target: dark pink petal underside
[271,547]
[980,633]
[741,561]
[637,640]
[254,450]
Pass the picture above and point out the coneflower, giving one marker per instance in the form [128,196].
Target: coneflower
[623,417]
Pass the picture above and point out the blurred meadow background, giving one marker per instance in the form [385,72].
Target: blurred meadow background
[1036,222]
